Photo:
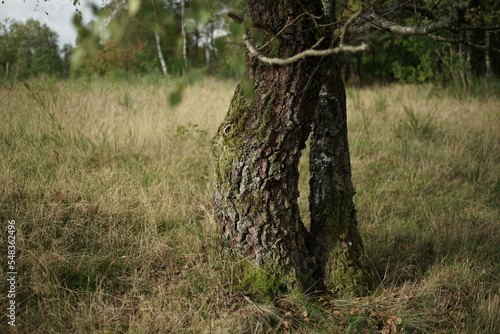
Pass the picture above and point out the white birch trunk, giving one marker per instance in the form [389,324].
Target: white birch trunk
[160,54]
[487,56]
[183,31]
[208,45]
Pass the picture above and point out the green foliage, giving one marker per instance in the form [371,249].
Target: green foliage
[121,41]
[29,49]
[418,60]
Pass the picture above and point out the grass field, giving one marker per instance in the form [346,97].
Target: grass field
[110,188]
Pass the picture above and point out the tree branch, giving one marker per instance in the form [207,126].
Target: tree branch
[374,20]
[462,41]
[479,28]
[349,22]
[307,53]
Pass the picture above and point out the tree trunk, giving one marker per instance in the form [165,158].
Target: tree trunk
[160,54]
[257,151]
[487,55]
[183,33]
[158,43]
[338,249]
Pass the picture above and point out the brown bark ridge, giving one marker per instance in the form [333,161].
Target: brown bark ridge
[338,248]
[257,151]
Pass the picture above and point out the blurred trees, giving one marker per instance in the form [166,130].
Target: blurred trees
[29,49]
[213,43]
[454,55]
[155,32]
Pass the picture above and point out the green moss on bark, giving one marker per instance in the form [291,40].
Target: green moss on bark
[262,283]
[347,273]
[269,281]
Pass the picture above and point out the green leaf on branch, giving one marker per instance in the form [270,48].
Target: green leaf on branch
[237,30]
[175,97]
[199,11]
[194,76]
[247,86]
[190,26]
[133,7]
[76,58]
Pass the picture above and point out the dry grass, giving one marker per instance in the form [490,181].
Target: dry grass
[111,191]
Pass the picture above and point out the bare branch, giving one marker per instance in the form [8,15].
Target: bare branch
[368,22]
[479,28]
[282,29]
[307,53]
[462,41]
[349,22]
[382,23]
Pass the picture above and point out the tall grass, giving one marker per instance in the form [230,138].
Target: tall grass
[111,191]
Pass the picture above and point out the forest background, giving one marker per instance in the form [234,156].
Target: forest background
[199,35]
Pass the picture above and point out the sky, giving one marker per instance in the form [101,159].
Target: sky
[57,14]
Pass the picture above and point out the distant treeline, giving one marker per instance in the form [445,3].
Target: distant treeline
[165,37]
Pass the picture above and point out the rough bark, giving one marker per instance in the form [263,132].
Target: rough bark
[338,247]
[257,151]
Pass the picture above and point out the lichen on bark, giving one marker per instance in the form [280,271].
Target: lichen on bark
[343,265]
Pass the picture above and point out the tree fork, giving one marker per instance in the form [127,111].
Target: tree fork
[257,151]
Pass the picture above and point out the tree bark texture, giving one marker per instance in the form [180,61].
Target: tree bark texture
[338,247]
[257,150]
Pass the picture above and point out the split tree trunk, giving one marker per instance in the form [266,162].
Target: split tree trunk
[257,151]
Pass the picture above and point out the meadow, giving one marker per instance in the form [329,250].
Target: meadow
[111,187]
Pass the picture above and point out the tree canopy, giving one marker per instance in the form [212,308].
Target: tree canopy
[133,36]
[29,49]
